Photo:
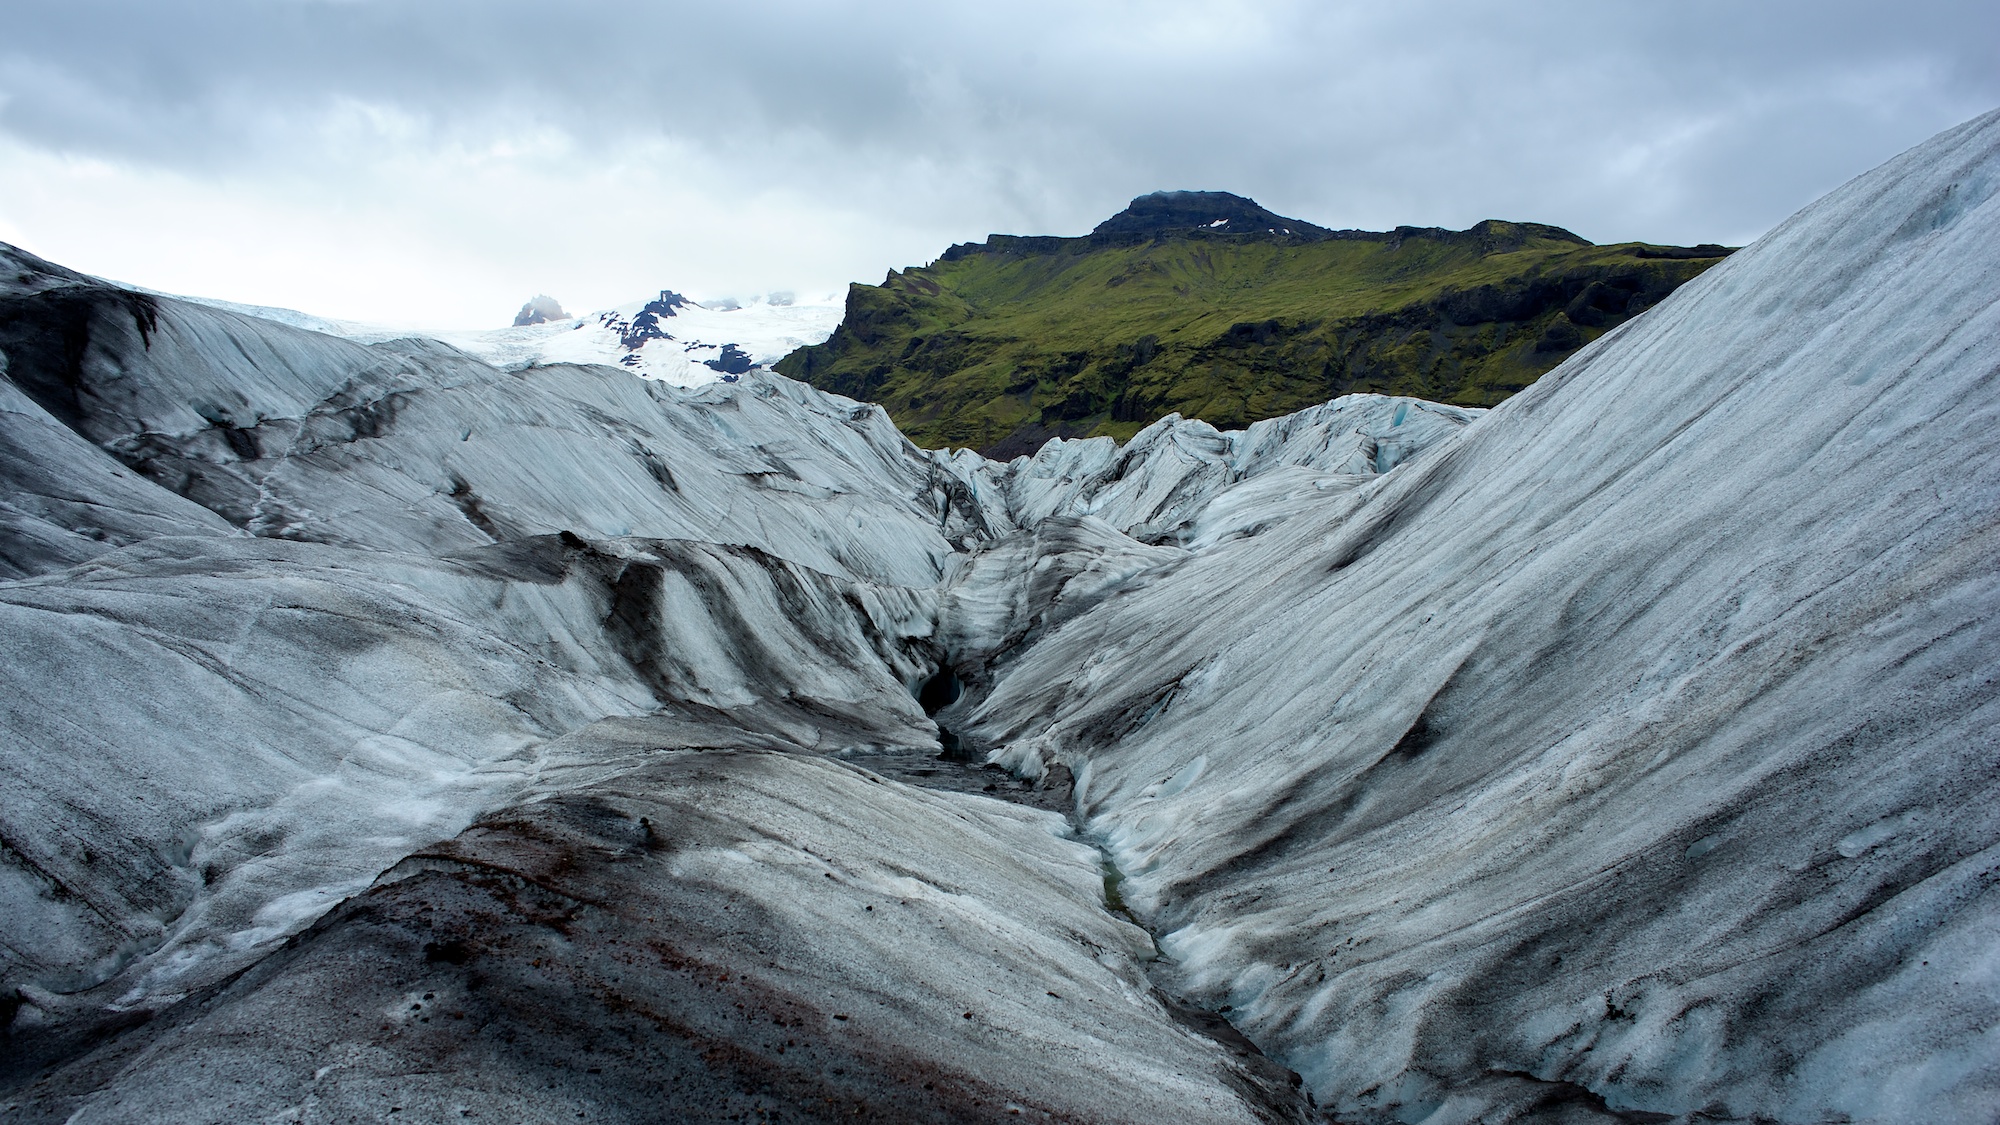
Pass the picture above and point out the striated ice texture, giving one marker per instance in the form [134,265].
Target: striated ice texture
[386,731]
[283,611]
[1639,744]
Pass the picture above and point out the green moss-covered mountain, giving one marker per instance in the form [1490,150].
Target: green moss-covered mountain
[1207,304]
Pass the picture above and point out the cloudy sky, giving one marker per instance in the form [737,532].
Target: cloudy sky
[436,162]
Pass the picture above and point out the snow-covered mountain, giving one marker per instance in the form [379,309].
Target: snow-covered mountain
[667,337]
[388,730]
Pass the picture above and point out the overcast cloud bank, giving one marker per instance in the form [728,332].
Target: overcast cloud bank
[438,163]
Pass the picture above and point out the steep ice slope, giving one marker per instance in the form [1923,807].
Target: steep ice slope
[223,746]
[225,738]
[212,741]
[64,500]
[711,936]
[787,579]
[1156,487]
[290,608]
[1637,749]
[1629,750]
[1081,521]
[210,738]
[410,445]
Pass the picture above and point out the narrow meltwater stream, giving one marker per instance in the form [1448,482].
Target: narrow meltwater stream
[1282,1089]
[1276,1087]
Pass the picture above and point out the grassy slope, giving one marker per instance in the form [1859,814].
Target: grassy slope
[1001,345]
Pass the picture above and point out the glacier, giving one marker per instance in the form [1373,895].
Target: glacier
[396,725]
[684,343]
[1641,740]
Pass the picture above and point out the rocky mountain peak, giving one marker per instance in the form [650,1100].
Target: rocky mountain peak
[1164,212]
[541,310]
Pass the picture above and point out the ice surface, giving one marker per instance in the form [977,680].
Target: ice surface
[1155,487]
[739,931]
[1640,741]
[217,736]
[369,705]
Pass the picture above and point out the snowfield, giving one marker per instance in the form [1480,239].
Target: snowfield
[683,343]
[465,727]
[697,344]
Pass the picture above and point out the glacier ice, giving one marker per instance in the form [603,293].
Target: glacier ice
[386,728]
[735,926]
[1639,741]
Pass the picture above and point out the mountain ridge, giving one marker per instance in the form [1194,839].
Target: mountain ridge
[1209,305]
[1221,211]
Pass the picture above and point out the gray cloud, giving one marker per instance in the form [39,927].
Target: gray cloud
[1695,121]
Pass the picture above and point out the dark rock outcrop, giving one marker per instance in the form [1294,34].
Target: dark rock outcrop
[1171,212]
[541,310]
